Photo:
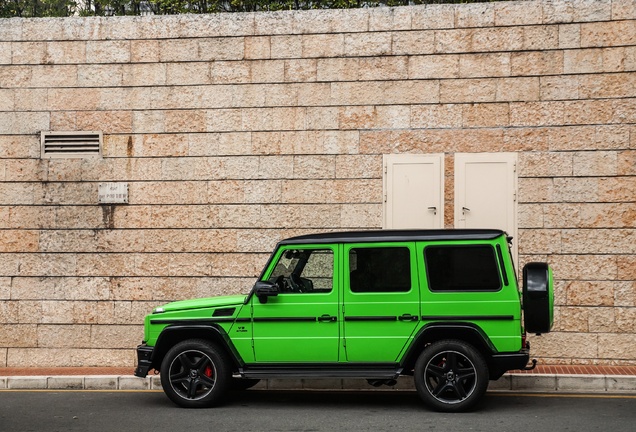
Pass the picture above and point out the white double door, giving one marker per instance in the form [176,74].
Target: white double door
[485,191]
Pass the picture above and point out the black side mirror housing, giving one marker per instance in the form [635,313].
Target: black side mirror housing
[265,289]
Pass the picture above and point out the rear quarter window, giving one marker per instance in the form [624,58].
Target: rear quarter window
[462,268]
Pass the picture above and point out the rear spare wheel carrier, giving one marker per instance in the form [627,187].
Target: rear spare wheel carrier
[538,297]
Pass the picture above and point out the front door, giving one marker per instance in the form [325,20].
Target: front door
[300,324]
[381,300]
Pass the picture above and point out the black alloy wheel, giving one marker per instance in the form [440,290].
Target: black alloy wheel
[195,374]
[451,376]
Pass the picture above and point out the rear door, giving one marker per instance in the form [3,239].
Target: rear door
[381,304]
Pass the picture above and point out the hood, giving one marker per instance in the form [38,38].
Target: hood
[200,303]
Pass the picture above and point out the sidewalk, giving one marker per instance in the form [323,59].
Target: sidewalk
[545,378]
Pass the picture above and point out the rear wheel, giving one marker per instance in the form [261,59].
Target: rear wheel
[451,376]
[195,374]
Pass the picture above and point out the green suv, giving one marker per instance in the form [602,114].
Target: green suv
[442,306]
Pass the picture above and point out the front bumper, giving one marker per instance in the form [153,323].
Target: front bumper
[144,360]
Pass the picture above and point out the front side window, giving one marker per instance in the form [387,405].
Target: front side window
[304,271]
[380,270]
[462,268]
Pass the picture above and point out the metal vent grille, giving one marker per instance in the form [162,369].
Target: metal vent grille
[71,144]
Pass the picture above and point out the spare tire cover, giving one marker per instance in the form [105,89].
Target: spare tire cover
[538,297]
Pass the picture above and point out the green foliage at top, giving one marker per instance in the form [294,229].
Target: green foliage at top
[64,8]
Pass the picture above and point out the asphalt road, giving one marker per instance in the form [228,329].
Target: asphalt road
[92,411]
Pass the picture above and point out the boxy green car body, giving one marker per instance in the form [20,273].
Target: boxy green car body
[441,305]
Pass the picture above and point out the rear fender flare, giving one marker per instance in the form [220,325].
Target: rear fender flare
[469,333]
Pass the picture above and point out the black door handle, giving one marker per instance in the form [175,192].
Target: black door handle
[327,318]
[408,317]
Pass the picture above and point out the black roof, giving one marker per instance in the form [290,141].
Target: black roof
[395,235]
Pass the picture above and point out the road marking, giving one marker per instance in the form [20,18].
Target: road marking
[565,395]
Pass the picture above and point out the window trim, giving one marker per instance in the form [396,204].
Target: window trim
[464,291]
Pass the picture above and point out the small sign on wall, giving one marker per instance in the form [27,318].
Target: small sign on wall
[112,193]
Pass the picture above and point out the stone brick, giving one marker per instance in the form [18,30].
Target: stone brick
[28,52]
[258,47]
[616,346]
[108,51]
[413,43]
[397,18]
[530,216]
[496,39]
[63,336]
[111,336]
[536,63]
[144,51]
[435,66]
[545,164]
[475,15]
[289,46]
[277,22]
[74,357]
[540,38]
[65,52]
[485,115]
[597,163]
[19,241]
[572,319]
[454,41]
[570,36]
[586,267]
[436,116]
[435,16]
[590,293]
[5,289]
[609,86]
[231,48]
[511,14]
[563,344]
[539,241]
[300,70]
[560,87]
[532,190]
[268,71]
[468,91]
[326,45]
[367,44]
[358,216]
[608,34]
[579,10]
[18,335]
[383,68]
[625,293]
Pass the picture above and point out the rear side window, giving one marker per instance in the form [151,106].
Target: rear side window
[462,268]
[380,269]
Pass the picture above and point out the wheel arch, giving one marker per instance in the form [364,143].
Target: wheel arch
[174,334]
[433,332]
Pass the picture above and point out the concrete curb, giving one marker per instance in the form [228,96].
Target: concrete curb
[544,383]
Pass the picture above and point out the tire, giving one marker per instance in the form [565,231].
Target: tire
[451,376]
[195,374]
[538,298]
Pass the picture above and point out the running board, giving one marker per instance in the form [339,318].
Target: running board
[324,371]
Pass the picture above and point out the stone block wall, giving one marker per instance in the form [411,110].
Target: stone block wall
[236,130]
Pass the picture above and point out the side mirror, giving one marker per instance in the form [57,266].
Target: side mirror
[265,289]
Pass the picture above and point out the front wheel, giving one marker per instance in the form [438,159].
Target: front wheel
[451,376]
[195,374]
